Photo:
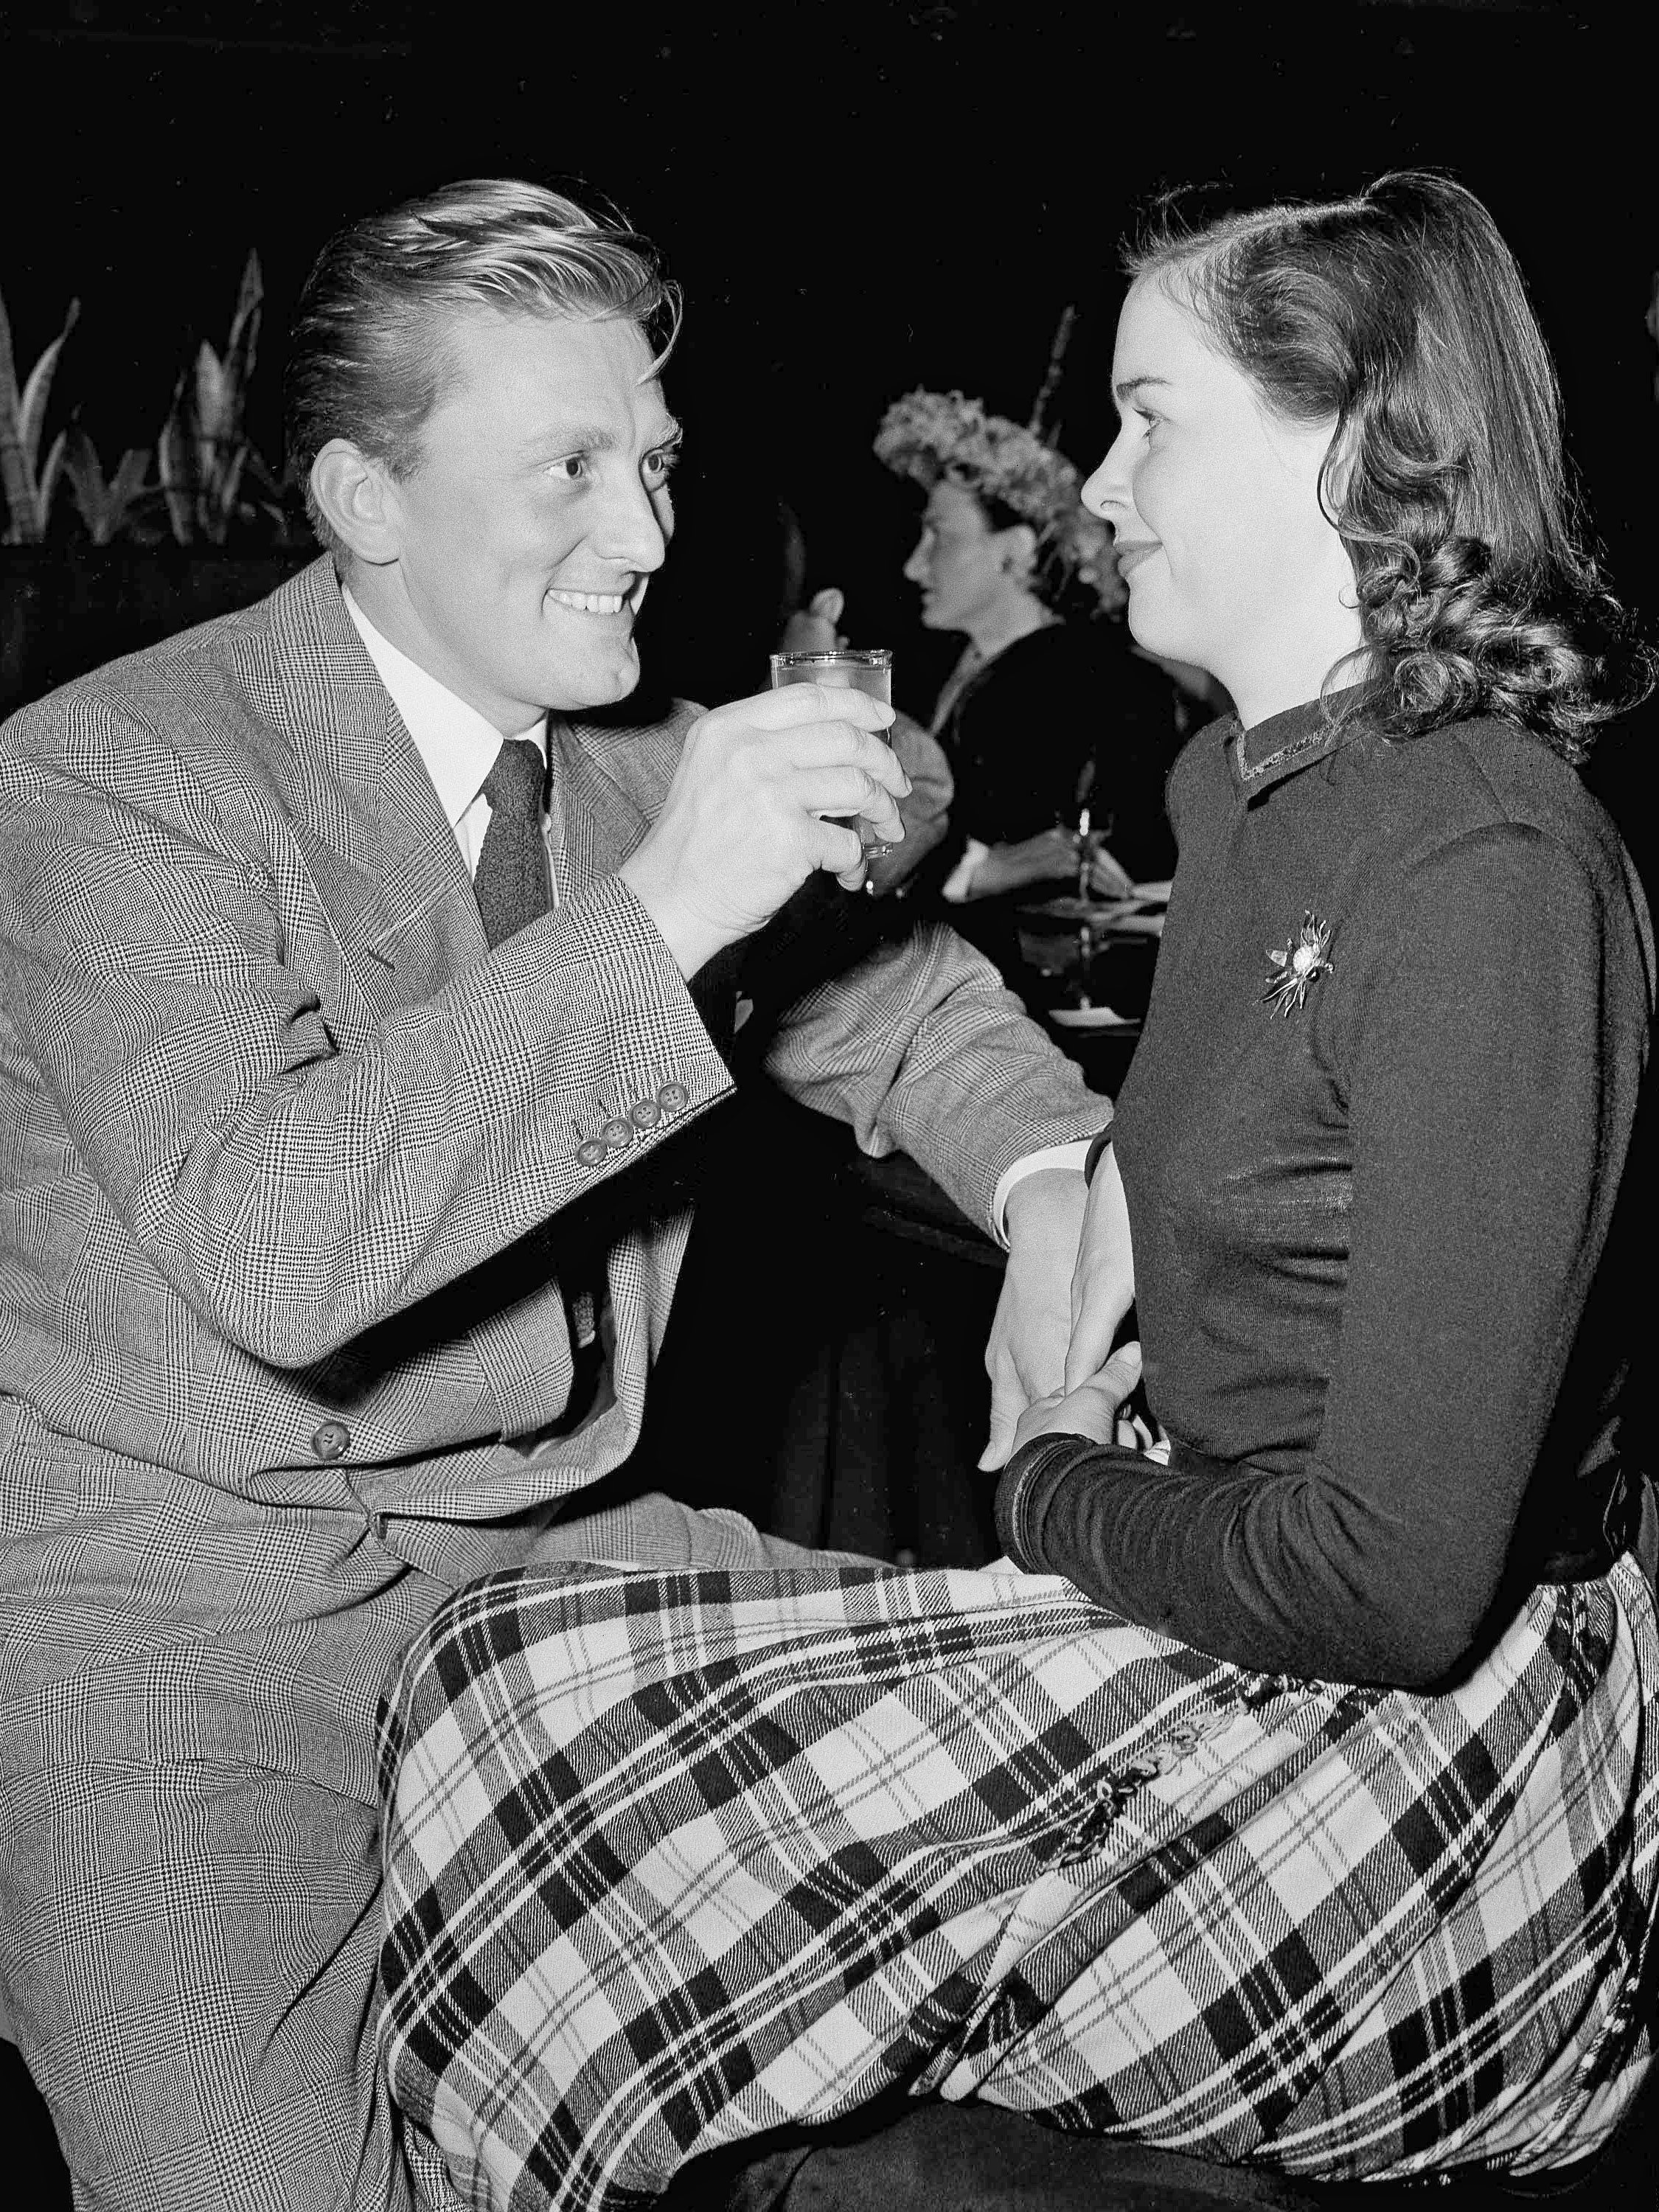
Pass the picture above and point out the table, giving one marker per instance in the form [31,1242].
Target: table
[1063,949]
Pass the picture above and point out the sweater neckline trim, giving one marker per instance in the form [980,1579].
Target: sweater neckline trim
[1285,743]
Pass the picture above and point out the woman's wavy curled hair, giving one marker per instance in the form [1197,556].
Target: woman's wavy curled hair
[1401,316]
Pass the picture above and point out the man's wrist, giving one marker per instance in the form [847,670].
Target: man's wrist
[692,941]
[1064,1159]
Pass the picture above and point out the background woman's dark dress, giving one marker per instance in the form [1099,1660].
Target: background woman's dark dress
[1068,715]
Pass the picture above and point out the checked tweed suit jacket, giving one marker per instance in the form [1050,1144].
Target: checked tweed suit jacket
[289,1163]
[281,1142]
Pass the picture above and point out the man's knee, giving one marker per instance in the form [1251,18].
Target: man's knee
[190,1952]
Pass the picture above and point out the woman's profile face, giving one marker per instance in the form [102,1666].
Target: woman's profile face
[960,561]
[1214,506]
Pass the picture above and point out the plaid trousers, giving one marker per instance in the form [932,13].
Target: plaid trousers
[676,1859]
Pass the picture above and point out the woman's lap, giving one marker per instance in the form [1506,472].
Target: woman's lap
[676,1859]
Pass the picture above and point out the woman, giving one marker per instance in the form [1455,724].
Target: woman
[1296,1803]
[1047,711]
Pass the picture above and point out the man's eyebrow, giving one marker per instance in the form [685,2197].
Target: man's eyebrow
[1125,392]
[574,438]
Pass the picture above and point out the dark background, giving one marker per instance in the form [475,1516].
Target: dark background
[857,200]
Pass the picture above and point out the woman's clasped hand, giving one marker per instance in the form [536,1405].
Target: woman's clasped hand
[1097,1407]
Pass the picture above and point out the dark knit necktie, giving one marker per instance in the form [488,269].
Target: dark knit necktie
[512,881]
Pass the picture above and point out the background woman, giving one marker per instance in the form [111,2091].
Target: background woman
[1048,709]
[1296,1803]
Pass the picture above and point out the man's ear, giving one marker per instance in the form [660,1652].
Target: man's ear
[359,499]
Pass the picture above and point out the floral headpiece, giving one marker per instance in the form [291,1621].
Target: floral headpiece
[927,435]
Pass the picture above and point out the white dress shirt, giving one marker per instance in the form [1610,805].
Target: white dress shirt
[458,747]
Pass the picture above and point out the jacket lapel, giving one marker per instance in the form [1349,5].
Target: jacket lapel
[604,798]
[373,836]
[372,831]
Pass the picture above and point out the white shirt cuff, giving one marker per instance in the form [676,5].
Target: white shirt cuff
[1073,1157]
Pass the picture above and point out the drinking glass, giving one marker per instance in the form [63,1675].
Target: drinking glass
[848,668]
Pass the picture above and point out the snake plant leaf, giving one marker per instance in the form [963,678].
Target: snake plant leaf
[127,485]
[47,482]
[7,365]
[222,506]
[88,490]
[176,465]
[203,448]
[104,508]
[245,324]
[14,477]
[32,415]
[215,402]
[20,419]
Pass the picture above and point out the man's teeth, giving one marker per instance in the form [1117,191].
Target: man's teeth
[591,603]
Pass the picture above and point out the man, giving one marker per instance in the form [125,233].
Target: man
[348,1050]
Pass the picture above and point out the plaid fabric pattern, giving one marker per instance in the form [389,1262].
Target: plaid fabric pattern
[675,1859]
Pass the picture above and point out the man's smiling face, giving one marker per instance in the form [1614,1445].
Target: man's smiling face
[526,533]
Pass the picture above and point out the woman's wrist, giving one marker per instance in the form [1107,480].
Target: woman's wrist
[1047,858]
[1027,1483]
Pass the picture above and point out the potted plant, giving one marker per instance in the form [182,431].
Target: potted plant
[27,486]
[93,565]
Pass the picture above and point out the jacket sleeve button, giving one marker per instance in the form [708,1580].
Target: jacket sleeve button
[618,1134]
[674,1098]
[333,1441]
[645,1113]
[593,1154]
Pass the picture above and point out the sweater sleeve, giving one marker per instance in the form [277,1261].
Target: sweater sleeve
[1495,1056]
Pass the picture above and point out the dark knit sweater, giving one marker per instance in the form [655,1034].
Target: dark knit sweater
[1365,1226]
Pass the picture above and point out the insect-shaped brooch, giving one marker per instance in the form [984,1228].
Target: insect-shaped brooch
[1295,965]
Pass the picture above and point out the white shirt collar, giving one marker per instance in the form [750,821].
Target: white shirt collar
[456,745]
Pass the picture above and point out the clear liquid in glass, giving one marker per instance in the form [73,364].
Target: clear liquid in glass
[848,668]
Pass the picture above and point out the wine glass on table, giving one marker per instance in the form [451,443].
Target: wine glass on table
[1088,838]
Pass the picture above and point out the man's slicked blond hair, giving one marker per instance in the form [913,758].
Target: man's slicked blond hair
[368,359]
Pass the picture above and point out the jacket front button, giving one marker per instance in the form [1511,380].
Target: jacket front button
[592,1153]
[618,1134]
[645,1113]
[672,1097]
[333,1441]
